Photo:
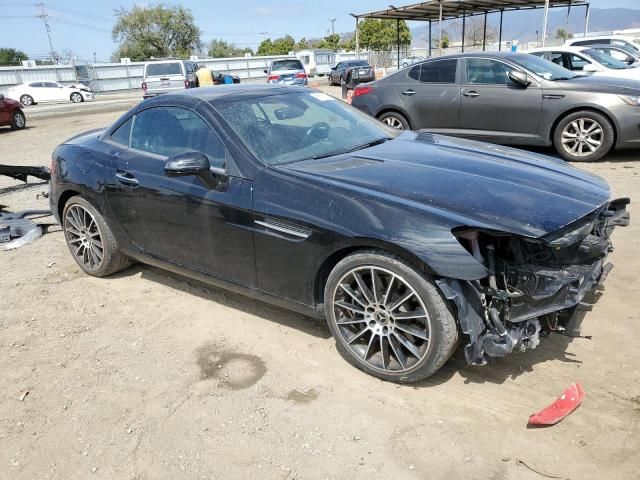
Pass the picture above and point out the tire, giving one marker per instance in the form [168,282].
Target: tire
[27,100]
[395,120]
[331,81]
[361,336]
[18,120]
[76,97]
[583,126]
[81,222]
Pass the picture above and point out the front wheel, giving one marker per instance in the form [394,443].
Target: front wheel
[583,136]
[90,240]
[76,97]
[388,319]
[27,100]
[395,120]
[18,120]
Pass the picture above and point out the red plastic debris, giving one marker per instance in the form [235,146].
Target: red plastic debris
[570,399]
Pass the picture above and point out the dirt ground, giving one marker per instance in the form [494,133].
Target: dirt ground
[147,375]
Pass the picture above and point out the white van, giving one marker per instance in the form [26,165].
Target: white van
[166,76]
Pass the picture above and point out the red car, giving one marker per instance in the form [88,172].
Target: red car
[11,113]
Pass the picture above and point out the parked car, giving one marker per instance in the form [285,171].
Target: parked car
[406,242]
[405,62]
[629,56]
[361,72]
[41,92]
[11,114]
[616,40]
[288,71]
[220,78]
[166,76]
[587,61]
[509,98]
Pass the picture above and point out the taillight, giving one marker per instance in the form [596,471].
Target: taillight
[301,75]
[273,77]
[144,86]
[359,91]
[187,84]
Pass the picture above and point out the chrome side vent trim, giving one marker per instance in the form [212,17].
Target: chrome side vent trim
[286,228]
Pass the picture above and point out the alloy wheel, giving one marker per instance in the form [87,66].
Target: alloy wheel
[393,122]
[582,137]
[76,97]
[19,120]
[26,100]
[83,236]
[381,319]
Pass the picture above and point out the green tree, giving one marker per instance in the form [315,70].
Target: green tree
[381,34]
[564,35]
[221,49]
[11,56]
[348,43]
[279,46]
[155,31]
[302,44]
[330,41]
[445,40]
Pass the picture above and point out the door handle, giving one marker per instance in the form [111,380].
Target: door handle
[127,179]
[409,92]
[471,94]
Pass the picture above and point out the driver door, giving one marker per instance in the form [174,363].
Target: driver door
[180,219]
[492,106]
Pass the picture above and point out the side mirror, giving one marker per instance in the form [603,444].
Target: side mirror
[519,78]
[589,68]
[188,163]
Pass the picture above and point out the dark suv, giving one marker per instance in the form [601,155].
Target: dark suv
[361,72]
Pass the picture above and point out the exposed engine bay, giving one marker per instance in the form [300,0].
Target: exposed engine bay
[536,285]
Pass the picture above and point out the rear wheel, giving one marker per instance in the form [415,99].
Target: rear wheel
[76,97]
[90,241]
[388,319]
[18,120]
[583,136]
[27,100]
[395,120]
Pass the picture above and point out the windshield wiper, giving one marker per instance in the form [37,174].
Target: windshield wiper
[565,78]
[349,150]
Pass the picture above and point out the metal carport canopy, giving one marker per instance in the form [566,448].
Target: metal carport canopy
[451,9]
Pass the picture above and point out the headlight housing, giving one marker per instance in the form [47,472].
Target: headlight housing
[631,100]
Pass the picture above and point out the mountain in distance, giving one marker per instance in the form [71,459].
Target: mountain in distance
[522,24]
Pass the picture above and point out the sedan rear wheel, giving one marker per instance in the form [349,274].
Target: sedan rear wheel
[395,120]
[90,240]
[387,318]
[26,100]
[583,137]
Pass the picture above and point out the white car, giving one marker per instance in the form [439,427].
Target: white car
[587,61]
[405,62]
[614,40]
[36,92]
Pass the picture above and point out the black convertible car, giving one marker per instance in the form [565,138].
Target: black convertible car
[406,242]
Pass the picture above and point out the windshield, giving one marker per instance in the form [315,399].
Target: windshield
[161,69]
[606,60]
[292,127]
[287,65]
[541,67]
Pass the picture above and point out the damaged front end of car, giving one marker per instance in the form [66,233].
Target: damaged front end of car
[536,285]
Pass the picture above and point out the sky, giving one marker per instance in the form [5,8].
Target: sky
[85,26]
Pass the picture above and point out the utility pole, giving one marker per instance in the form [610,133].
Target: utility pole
[333,21]
[94,57]
[45,19]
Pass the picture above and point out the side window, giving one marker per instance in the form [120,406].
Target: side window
[440,71]
[488,72]
[414,72]
[36,84]
[169,131]
[556,57]
[51,85]
[577,62]
[122,134]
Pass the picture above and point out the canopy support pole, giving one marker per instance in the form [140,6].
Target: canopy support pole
[586,21]
[500,34]
[544,22]
[464,17]
[398,39]
[430,38]
[484,33]
[440,27]
[357,39]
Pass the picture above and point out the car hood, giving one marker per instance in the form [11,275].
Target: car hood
[467,183]
[599,84]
